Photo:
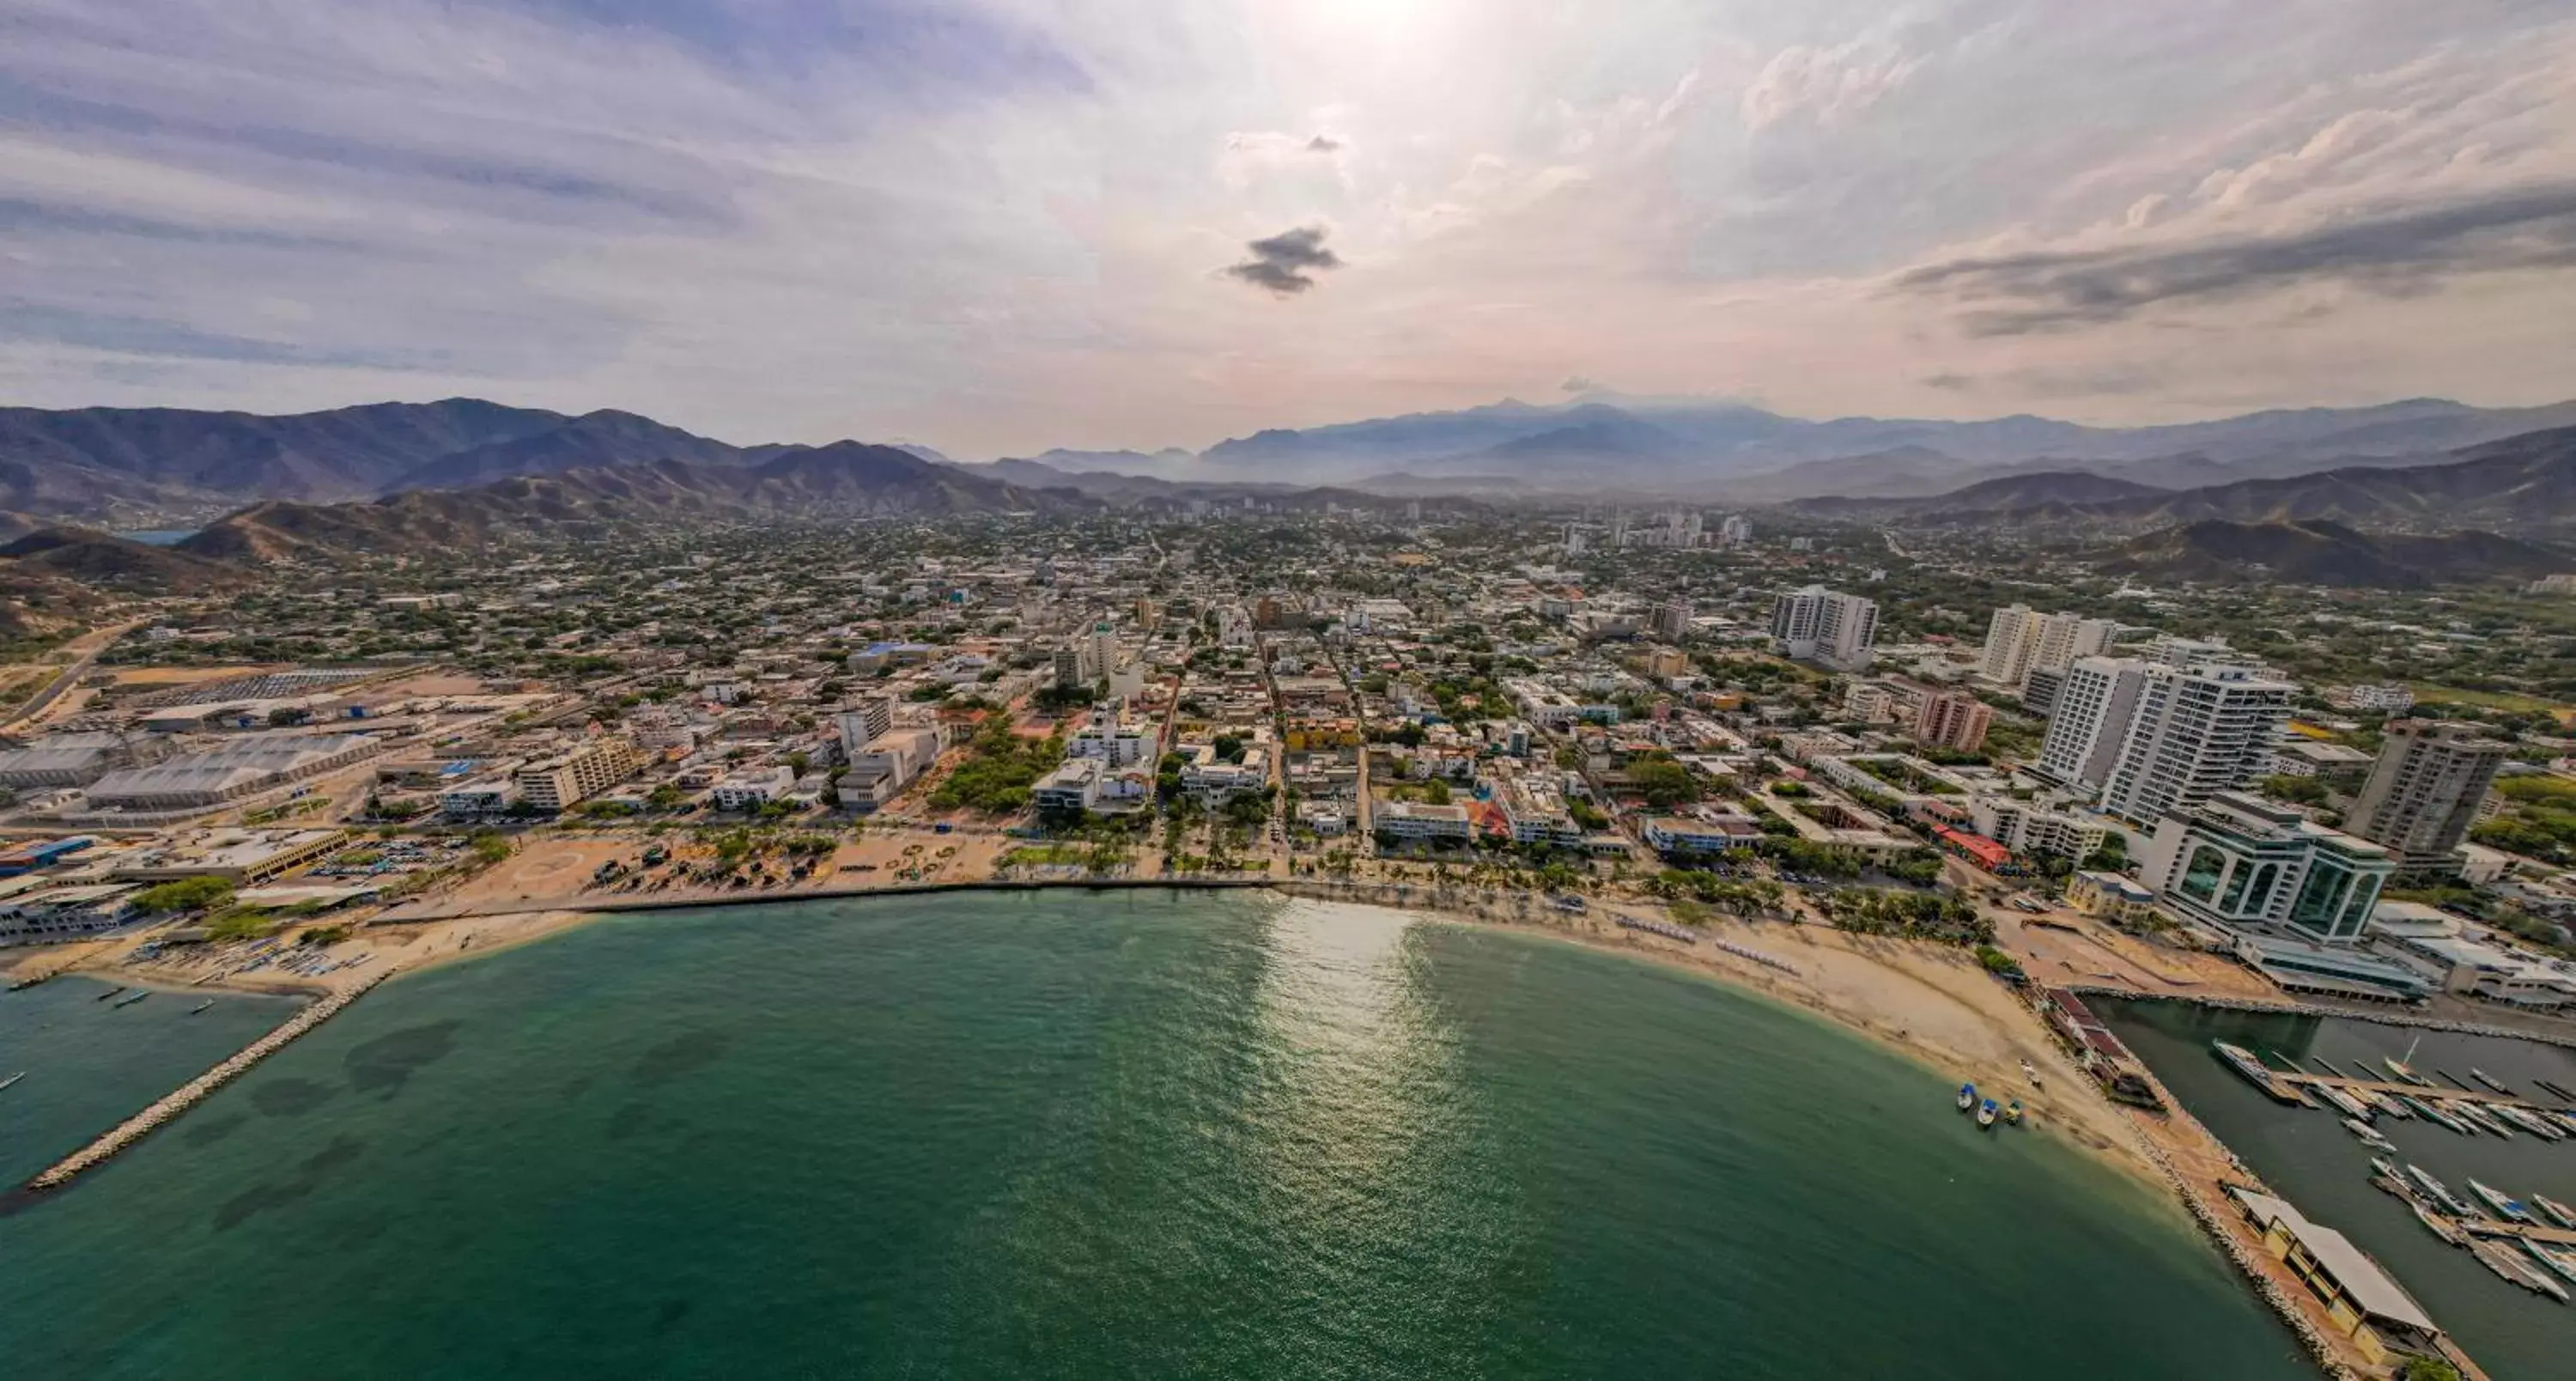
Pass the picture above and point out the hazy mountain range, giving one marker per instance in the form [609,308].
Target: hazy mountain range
[2317,552]
[134,466]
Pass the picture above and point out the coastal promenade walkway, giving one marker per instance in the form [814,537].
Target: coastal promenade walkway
[188,1095]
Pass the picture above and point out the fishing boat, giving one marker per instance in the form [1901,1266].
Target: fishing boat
[2566,1216]
[2558,1263]
[209,1002]
[2503,1203]
[2442,1227]
[102,997]
[4,1083]
[2367,1135]
[1967,1097]
[2490,1081]
[138,995]
[2441,1192]
[1986,1113]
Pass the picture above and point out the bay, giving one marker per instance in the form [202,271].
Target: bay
[1094,1135]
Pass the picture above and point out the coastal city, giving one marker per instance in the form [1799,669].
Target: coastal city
[1388,691]
[1827,761]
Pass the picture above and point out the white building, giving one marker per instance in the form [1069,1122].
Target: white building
[1116,742]
[1828,626]
[886,766]
[1072,788]
[2095,706]
[1418,820]
[2020,639]
[2196,732]
[2026,827]
[2239,861]
[748,791]
[862,723]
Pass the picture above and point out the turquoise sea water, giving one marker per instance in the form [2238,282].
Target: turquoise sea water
[2310,1159]
[1122,1135]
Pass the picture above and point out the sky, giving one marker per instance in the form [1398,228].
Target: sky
[998,226]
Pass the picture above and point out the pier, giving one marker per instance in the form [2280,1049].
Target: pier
[189,1094]
[2395,1086]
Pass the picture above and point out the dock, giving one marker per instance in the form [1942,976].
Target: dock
[2395,1086]
[189,1094]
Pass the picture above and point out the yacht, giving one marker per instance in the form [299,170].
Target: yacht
[2504,1204]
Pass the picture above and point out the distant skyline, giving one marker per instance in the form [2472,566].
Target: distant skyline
[1003,226]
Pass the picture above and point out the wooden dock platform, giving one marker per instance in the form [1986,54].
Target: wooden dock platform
[2394,1086]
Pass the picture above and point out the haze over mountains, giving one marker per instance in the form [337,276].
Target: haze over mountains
[124,465]
[392,478]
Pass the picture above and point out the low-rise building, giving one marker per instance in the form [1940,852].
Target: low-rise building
[2110,896]
[1708,832]
[561,782]
[752,789]
[1114,741]
[1412,820]
[2027,827]
[1071,789]
[2361,1300]
[887,764]
[237,856]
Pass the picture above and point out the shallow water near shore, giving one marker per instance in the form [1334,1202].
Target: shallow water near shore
[1138,1134]
[2307,1156]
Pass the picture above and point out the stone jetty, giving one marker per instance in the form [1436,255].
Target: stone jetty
[186,1096]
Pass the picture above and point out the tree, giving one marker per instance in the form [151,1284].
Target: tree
[184,894]
[1437,793]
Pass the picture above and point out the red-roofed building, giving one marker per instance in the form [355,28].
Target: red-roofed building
[1975,848]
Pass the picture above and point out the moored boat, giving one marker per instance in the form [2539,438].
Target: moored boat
[2513,1268]
[2504,1204]
[4,1083]
[1967,1097]
[102,997]
[2441,1192]
[2557,1263]
[2442,1227]
[209,1002]
[2566,1216]
[2489,1080]
[2368,1135]
[2013,1114]
[1986,1113]
[137,996]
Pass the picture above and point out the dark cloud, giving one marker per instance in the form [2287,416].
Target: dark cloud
[2396,252]
[1282,262]
[1580,384]
[1947,381]
[1323,143]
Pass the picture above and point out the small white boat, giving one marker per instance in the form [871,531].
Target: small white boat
[2367,1135]
[4,1083]
[2503,1203]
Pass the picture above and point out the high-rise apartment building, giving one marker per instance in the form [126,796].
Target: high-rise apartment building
[1828,626]
[1673,620]
[2423,793]
[1954,719]
[2020,640]
[2197,731]
[2096,701]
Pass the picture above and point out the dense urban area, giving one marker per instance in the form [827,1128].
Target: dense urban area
[1655,725]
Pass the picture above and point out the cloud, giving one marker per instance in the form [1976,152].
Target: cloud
[1827,85]
[1323,143]
[1580,384]
[1947,382]
[2390,251]
[1282,262]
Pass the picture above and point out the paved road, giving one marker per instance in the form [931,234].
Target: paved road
[90,644]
